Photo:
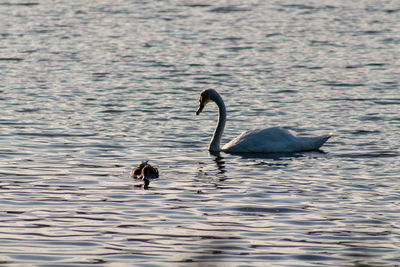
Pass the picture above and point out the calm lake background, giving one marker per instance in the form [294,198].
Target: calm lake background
[89,89]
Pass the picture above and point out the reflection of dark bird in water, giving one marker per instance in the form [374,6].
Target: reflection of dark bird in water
[145,184]
[145,172]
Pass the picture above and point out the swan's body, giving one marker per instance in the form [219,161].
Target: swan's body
[268,140]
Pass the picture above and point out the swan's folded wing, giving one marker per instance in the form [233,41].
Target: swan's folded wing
[272,140]
[266,140]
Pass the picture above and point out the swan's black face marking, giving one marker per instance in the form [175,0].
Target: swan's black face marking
[203,101]
[201,106]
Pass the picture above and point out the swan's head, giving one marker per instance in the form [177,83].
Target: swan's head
[205,97]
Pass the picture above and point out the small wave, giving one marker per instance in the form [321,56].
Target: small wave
[388,102]
[228,9]
[371,118]
[112,111]
[377,154]
[196,5]
[356,66]
[28,110]
[339,84]
[53,134]
[11,59]
[364,132]
[273,34]
[19,4]
[269,210]
[324,43]
[238,48]
[351,99]
[284,91]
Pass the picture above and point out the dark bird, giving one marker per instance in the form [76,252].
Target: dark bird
[145,172]
[144,169]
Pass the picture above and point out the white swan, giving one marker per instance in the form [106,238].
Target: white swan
[267,140]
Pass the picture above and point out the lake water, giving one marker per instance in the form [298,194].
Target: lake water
[89,89]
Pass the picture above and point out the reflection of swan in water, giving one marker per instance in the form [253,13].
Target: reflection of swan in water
[267,140]
[219,160]
[206,170]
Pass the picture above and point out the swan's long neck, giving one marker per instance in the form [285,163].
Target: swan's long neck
[216,138]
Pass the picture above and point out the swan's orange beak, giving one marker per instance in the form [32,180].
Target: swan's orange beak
[201,106]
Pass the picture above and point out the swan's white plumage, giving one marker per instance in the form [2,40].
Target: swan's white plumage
[273,140]
[268,140]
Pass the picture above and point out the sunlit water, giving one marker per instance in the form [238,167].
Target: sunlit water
[91,88]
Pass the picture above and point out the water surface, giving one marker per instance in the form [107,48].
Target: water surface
[89,90]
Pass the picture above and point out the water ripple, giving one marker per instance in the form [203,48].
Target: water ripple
[89,91]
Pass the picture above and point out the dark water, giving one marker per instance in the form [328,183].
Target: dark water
[90,89]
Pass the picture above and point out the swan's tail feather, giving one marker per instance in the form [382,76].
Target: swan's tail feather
[314,143]
[324,138]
